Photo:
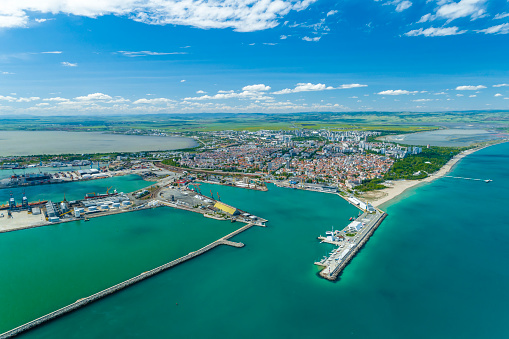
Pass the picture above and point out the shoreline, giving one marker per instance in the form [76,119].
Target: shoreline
[400,186]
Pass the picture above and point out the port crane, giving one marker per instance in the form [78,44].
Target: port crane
[197,188]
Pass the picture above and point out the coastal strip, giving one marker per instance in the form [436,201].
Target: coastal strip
[401,186]
[118,287]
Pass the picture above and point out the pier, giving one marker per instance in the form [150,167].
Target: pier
[474,179]
[340,257]
[118,287]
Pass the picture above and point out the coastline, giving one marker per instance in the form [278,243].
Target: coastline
[400,186]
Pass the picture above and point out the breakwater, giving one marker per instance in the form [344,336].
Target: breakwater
[332,270]
[118,287]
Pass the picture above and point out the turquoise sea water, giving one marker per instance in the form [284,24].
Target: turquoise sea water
[73,190]
[435,268]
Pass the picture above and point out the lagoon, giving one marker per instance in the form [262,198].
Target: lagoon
[447,137]
[22,143]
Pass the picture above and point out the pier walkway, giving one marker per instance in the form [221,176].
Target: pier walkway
[339,258]
[99,295]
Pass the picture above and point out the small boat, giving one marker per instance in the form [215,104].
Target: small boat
[86,219]
[488,180]
[351,219]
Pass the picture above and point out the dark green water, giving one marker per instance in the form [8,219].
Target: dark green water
[436,268]
[74,190]
[49,267]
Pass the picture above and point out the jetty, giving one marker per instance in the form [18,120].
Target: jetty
[363,227]
[340,257]
[118,287]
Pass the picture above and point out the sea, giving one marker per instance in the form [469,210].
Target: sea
[435,268]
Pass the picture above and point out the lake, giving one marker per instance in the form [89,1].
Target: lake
[59,142]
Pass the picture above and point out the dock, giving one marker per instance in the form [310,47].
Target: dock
[339,258]
[118,287]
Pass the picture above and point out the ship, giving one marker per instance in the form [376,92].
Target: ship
[103,195]
[29,179]
[40,202]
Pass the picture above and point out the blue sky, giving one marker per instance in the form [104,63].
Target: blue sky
[62,57]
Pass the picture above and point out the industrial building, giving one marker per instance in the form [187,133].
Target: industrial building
[226,208]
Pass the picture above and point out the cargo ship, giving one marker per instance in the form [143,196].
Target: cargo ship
[103,195]
[29,179]
[35,203]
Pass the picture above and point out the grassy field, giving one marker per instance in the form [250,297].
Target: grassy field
[398,122]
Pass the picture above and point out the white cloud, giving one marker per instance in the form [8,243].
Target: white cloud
[470,88]
[133,54]
[435,31]
[422,100]
[396,92]
[283,37]
[7,98]
[200,92]
[52,52]
[41,20]
[403,5]
[426,18]
[464,8]
[28,99]
[13,19]
[501,85]
[472,96]
[93,97]
[498,95]
[347,86]
[241,15]
[154,101]
[41,104]
[499,29]
[68,64]
[256,88]
[501,16]
[58,99]
[305,87]
[7,73]
[230,91]
[306,38]
[183,80]
[329,13]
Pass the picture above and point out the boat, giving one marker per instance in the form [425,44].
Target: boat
[104,195]
[488,180]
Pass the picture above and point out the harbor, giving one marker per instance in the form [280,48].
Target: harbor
[118,287]
[348,241]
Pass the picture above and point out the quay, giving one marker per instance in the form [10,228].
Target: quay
[118,287]
[340,257]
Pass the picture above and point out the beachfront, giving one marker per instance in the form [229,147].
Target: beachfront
[396,188]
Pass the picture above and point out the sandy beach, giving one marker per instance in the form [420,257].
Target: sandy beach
[377,198]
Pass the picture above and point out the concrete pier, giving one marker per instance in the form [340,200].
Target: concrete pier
[339,259]
[99,295]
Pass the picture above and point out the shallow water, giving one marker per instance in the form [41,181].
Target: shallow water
[59,142]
